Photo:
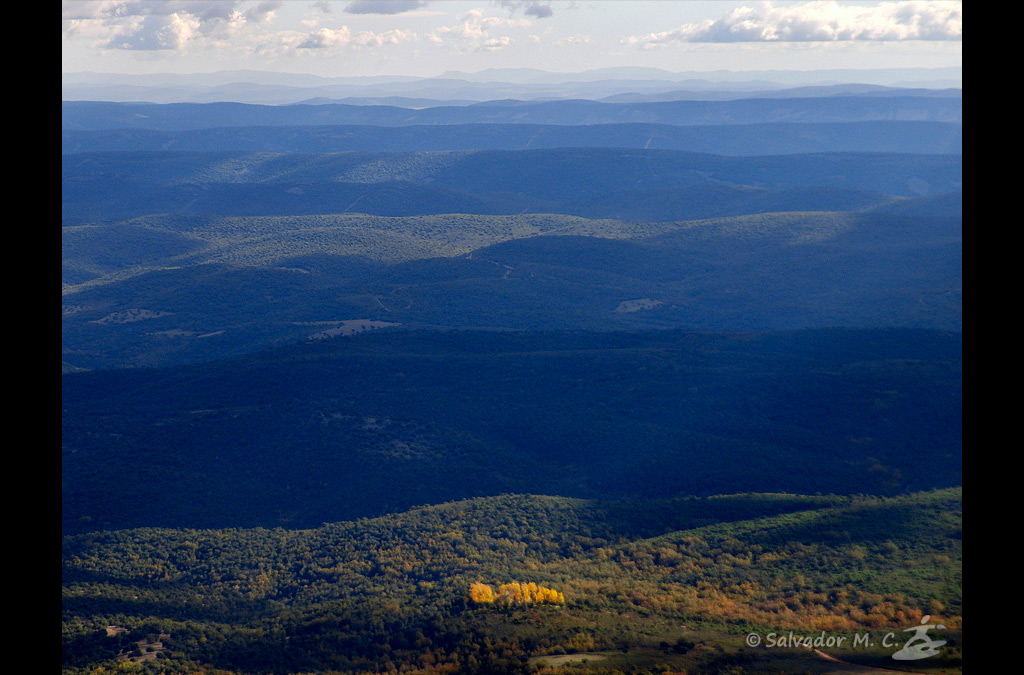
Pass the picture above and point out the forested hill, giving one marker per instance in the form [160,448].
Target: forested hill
[641,587]
[171,289]
[120,185]
[174,256]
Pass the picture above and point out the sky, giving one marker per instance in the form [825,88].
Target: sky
[429,37]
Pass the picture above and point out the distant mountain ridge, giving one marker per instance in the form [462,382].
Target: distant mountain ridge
[738,140]
[90,115]
[282,88]
[590,182]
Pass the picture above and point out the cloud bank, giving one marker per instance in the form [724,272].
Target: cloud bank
[474,32]
[821,22]
[328,38]
[154,25]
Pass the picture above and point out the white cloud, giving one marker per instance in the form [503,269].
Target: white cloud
[573,40]
[160,24]
[263,12]
[157,33]
[825,21]
[474,32]
[391,37]
[112,10]
[151,25]
[328,38]
[494,44]
[83,11]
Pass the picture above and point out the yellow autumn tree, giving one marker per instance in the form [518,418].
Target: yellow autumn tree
[549,595]
[481,593]
[515,593]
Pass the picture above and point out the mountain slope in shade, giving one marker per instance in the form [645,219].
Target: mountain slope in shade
[379,422]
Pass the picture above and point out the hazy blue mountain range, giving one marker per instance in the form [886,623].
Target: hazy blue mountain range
[791,92]
[698,91]
[889,76]
[740,140]
[91,115]
[589,182]
[284,88]
[883,76]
